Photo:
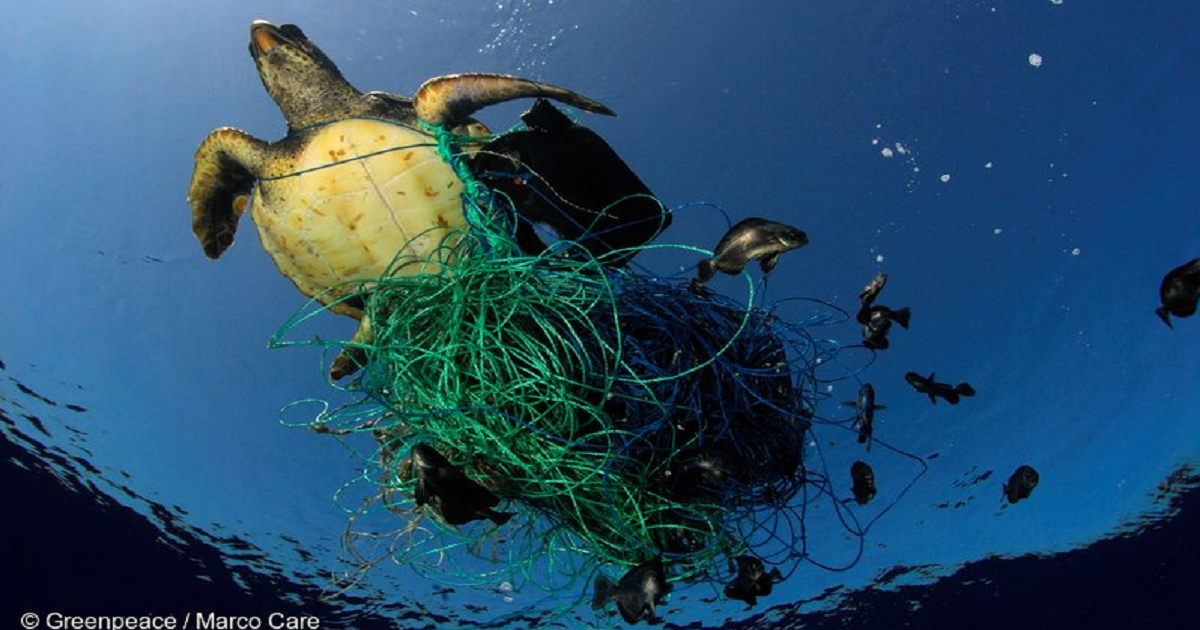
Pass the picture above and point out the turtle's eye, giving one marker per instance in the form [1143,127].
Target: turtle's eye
[293,32]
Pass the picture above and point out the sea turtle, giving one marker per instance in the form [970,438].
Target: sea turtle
[356,181]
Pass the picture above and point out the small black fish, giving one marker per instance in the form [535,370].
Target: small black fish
[871,291]
[1021,483]
[929,386]
[864,482]
[752,581]
[875,331]
[868,314]
[878,321]
[865,421]
[869,311]
[637,593]
[876,318]
[751,239]
[1179,292]
[456,497]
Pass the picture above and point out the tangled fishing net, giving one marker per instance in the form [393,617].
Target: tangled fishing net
[624,416]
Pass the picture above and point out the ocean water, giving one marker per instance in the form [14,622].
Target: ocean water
[1025,172]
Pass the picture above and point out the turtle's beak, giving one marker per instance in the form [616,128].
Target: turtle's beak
[264,37]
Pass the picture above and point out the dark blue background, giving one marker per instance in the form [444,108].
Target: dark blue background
[1034,278]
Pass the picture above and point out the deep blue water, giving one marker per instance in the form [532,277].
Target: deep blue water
[1139,577]
[142,447]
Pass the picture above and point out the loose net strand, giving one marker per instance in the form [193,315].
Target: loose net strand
[623,415]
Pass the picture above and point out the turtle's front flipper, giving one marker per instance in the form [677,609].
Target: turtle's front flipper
[454,97]
[226,164]
[353,355]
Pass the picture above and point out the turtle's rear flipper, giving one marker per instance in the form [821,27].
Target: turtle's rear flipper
[221,184]
[354,354]
[454,97]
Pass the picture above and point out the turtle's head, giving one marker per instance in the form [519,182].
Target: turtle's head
[301,79]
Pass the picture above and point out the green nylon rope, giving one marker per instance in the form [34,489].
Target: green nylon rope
[511,365]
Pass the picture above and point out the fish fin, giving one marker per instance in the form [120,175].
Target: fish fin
[965,389]
[705,270]
[544,116]
[500,518]
[878,407]
[932,398]
[736,590]
[932,377]
[632,612]
[603,593]
[902,317]
[767,263]
[1164,315]
[420,493]
[849,403]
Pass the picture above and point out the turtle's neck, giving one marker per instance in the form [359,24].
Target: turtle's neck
[328,97]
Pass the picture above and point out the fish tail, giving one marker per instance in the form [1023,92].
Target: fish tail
[1165,316]
[604,588]
[902,316]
